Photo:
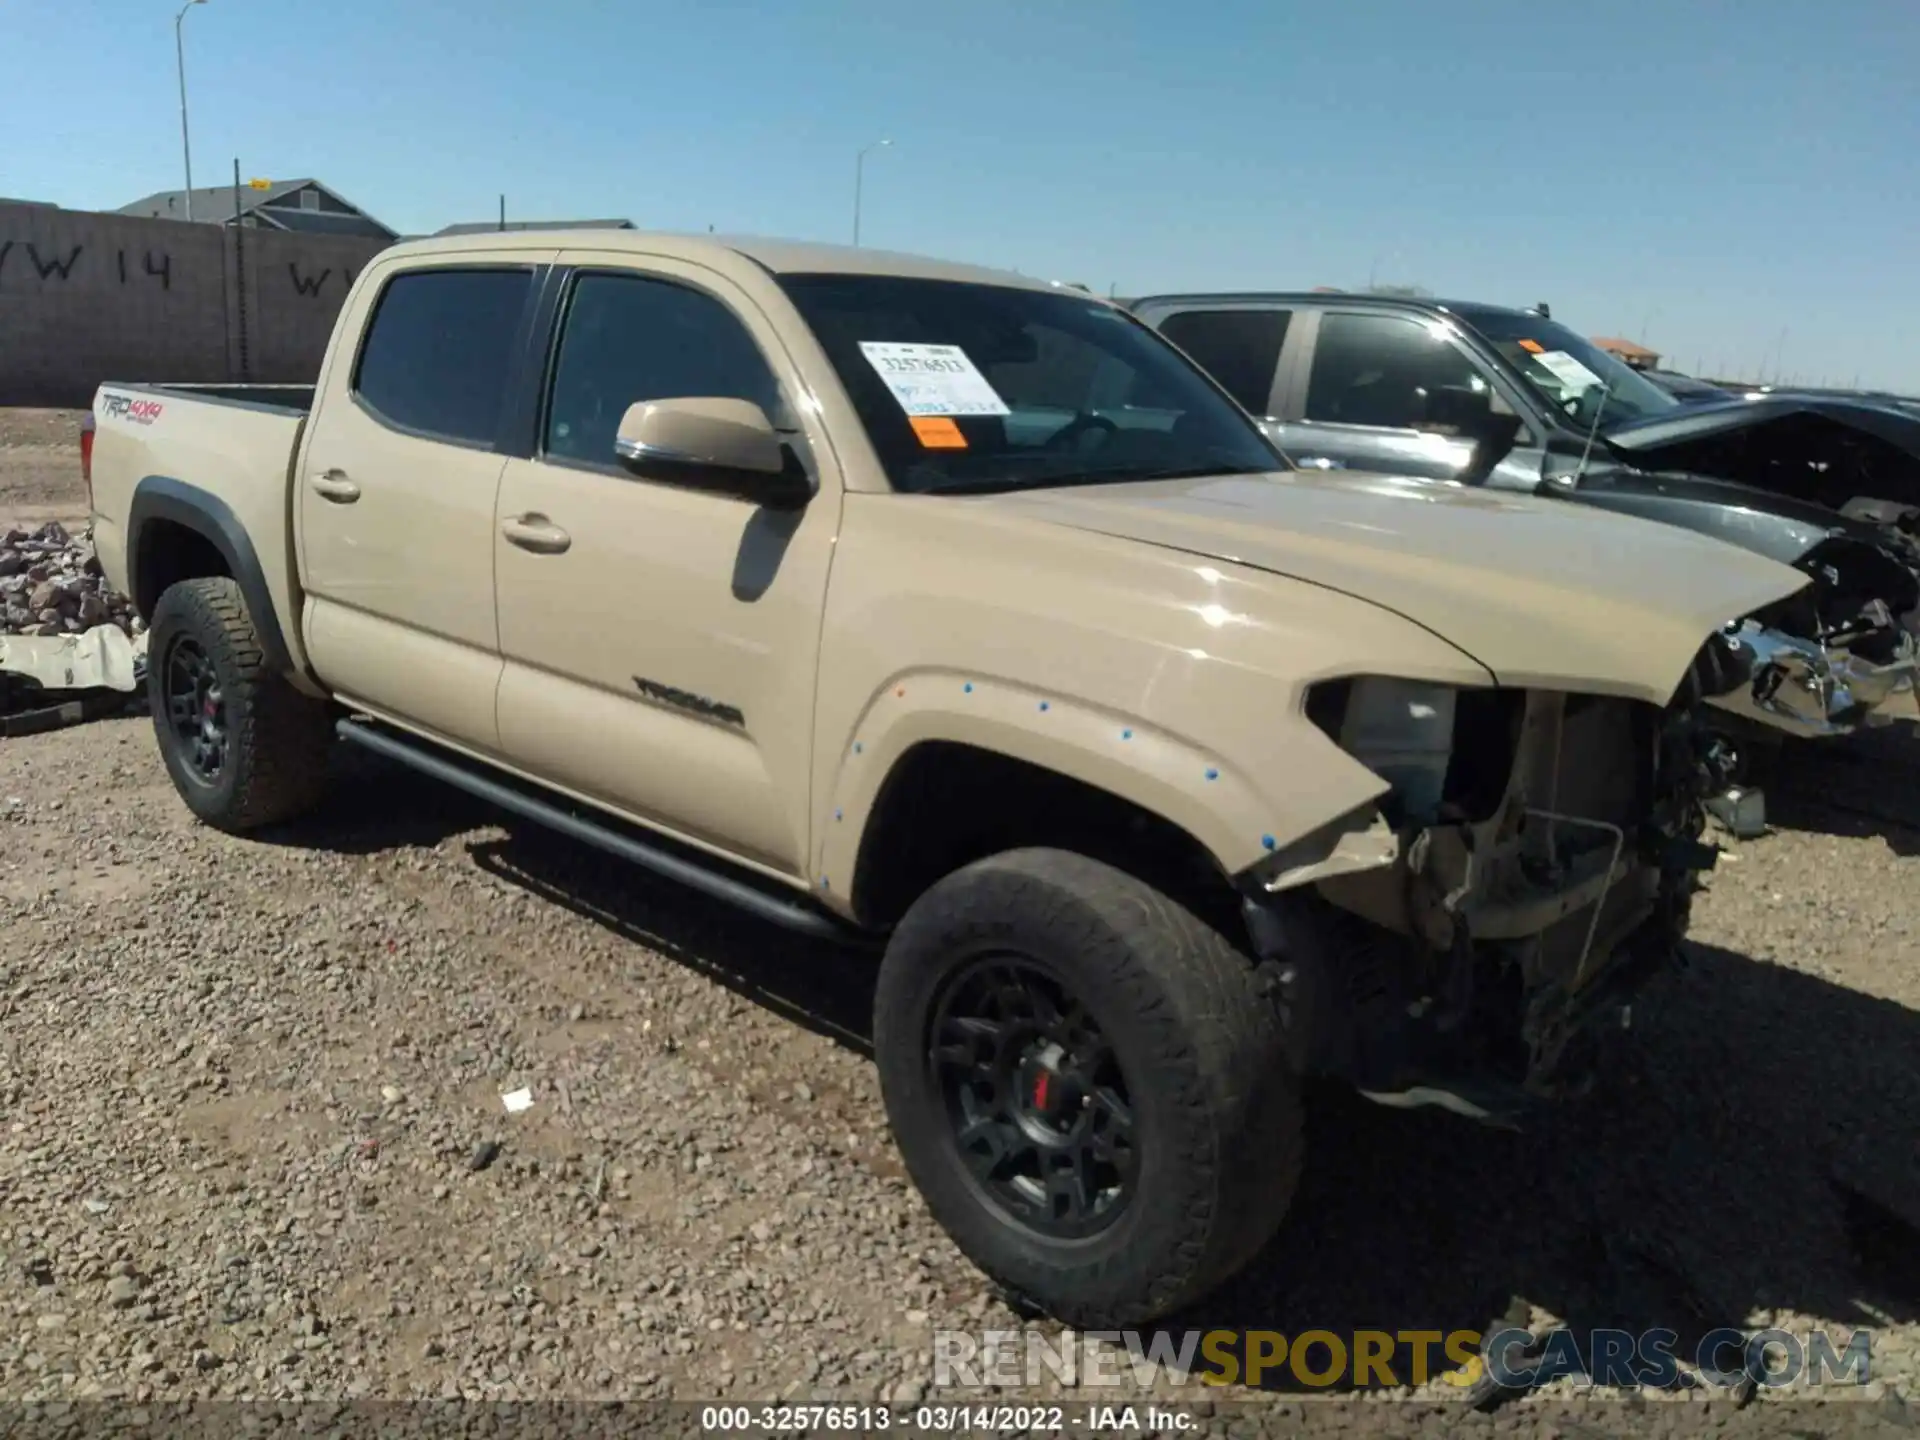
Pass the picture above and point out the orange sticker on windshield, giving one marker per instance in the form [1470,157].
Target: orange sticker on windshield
[937,432]
[1532,347]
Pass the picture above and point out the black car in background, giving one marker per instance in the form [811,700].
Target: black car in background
[1485,395]
[1687,388]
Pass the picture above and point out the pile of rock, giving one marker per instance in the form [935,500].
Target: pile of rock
[50,584]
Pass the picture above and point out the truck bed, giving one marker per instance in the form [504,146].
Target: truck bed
[227,450]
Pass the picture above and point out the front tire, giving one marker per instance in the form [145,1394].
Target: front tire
[1086,1085]
[243,747]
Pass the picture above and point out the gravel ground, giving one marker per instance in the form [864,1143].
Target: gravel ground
[40,467]
[252,1100]
[252,1142]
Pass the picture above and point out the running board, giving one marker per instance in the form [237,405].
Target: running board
[604,835]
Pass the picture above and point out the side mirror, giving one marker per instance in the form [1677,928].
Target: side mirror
[714,443]
[1463,411]
[1456,410]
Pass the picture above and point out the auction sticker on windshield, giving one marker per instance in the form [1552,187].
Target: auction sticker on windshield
[933,379]
[1567,370]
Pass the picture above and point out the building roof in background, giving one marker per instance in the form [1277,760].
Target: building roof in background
[215,205]
[481,227]
[1625,349]
[323,222]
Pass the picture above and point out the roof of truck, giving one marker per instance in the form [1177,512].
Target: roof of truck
[785,257]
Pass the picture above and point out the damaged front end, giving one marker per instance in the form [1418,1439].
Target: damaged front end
[1462,943]
[1828,485]
[1840,655]
[1813,689]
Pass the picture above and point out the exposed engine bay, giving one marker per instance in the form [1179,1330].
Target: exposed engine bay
[1531,867]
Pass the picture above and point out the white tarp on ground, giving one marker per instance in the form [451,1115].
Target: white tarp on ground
[102,658]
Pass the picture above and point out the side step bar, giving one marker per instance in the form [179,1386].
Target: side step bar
[604,835]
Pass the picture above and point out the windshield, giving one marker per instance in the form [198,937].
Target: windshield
[1573,375]
[964,386]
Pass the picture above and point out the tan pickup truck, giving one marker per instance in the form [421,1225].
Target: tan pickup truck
[897,599]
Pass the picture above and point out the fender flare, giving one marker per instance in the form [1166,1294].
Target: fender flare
[1209,797]
[161,497]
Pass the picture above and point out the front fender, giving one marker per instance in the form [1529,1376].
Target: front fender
[1238,817]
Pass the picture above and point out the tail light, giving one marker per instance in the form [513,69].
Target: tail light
[86,455]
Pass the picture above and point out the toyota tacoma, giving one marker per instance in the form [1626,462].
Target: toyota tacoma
[959,613]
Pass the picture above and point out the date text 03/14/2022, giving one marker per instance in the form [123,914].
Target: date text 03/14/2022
[943,1419]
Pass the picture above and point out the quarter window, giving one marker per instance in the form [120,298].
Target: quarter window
[440,349]
[628,338]
[1378,369]
[1239,348]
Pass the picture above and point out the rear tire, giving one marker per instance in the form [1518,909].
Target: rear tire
[244,748]
[1086,1085]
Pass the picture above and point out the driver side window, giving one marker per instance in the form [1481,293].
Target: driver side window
[629,338]
[1377,369]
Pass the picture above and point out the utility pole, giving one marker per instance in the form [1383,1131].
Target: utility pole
[859,165]
[180,59]
[240,274]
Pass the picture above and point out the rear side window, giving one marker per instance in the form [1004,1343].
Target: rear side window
[628,338]
[440,349]
[1239,348]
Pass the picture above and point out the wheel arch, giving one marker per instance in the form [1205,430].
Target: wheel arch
[950,769]
[164,510]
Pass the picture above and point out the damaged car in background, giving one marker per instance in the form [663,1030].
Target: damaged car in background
[1503,399]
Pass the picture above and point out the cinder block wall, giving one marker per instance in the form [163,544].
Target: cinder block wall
[87,297]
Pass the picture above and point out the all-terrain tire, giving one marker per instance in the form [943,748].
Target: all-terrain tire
[1215,1106]
[276,739]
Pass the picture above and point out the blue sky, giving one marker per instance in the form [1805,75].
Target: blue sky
[1735,179]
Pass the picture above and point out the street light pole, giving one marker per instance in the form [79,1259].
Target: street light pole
[859,164]
[180,58]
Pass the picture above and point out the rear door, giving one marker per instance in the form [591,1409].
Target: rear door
[1238,343]
[396,487]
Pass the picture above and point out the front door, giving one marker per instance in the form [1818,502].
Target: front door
[660,641]
[395,495]
[1365,385]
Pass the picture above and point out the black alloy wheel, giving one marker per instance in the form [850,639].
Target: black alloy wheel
[243,747]
[1088,1084]
[1035,1100]
[196,707]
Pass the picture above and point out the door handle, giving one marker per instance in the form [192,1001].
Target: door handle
[535,533]
[1319,462]
[335,486]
